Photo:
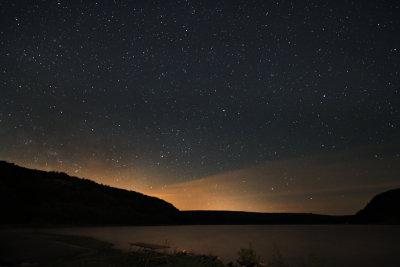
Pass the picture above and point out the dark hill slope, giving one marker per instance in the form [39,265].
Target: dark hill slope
[38,197]
[383,208]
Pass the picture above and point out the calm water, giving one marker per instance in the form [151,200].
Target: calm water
[336,245]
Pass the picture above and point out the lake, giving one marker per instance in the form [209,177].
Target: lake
[336,245]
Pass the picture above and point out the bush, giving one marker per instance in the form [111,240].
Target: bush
[248,257]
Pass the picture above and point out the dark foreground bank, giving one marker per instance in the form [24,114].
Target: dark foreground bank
[19,248]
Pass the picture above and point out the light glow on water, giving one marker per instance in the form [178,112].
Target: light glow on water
[342,245]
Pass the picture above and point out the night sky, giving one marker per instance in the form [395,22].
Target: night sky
[269,106]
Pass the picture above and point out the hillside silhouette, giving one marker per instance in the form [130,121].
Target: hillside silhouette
[383,208]
[37,197]
[34,197]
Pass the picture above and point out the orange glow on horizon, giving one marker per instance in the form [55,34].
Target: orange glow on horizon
[325,183]
[331,183]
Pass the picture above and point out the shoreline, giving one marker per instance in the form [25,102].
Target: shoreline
[76,244]
[26,248]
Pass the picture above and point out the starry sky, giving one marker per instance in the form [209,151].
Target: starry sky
[274,106]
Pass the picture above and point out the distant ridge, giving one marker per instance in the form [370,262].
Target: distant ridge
[37,197]
[34,197]
[241,217]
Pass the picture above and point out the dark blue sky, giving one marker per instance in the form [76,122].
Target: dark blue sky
[180,90]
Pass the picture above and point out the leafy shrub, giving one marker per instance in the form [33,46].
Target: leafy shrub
[248,257]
